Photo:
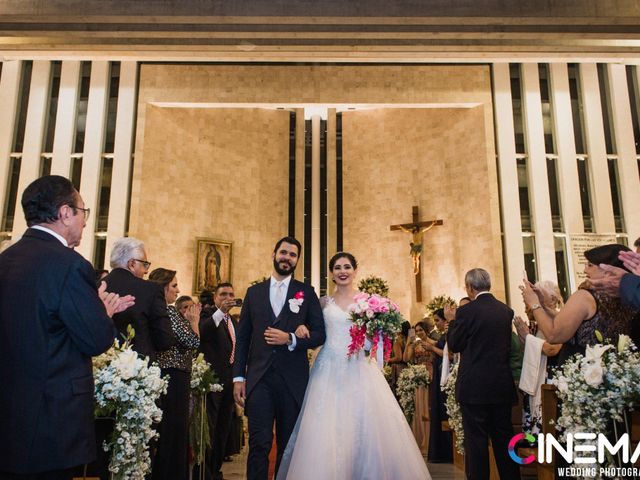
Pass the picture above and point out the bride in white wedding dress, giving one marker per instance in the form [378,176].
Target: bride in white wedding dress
[350,425]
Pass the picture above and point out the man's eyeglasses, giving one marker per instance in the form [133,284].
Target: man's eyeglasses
[144,263]
[86,211]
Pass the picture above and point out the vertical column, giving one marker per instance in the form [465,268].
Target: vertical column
[299,222]
[121,173]
[315,202]
[566,147]
[625,146]
[9,93]
[33,133]
[66,118]
[93,146]
[596,149]
[538,179]
[508,171]
[332,192]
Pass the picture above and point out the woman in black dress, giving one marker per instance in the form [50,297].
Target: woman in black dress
[439,441]
[172,461]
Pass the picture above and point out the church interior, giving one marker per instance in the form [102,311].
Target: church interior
[514,123]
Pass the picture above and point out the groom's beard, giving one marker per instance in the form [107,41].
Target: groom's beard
[283,267]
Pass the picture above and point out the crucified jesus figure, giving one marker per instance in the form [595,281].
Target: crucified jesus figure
[417,236]
[417,230]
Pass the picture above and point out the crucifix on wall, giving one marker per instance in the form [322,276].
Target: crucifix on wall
[417,230]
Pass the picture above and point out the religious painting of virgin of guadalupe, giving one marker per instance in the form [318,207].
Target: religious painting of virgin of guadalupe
[213,264]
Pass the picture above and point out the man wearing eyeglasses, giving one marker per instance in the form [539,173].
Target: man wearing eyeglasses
[149,316]
[52,321]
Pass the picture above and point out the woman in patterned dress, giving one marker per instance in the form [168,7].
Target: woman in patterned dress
[171,461]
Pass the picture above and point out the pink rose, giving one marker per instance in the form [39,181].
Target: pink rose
[374,303]
[299,295]
[360,297]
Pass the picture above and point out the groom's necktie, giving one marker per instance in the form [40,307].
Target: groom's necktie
[232,334]
[278,298]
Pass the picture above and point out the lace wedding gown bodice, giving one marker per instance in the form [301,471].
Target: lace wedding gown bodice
[337,323]
[350,425]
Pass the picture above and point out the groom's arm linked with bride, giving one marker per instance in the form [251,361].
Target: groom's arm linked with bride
[271,371]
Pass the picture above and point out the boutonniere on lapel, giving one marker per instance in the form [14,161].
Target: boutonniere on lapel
[296,301]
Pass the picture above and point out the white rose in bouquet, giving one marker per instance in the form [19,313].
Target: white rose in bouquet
[595,352]
[562,384]
[127,364]
[593,373]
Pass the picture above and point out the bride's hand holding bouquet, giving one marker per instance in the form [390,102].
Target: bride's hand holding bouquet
[375,318]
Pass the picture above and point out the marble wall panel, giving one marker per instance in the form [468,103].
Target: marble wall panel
[216,173]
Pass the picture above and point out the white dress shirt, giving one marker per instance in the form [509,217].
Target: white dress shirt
[51,232]
[277,307]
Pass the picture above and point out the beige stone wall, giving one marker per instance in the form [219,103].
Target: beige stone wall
[433,158]
[441,158]
[214,173]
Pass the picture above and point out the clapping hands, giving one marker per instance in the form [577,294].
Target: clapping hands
[530,294]
[631,260]
[450,312]
[521,327]
[193,315]
[610,282]
[114,303]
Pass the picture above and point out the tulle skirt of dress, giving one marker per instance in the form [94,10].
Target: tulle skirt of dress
[350,427]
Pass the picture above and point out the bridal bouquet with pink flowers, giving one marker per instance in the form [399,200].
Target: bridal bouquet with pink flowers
[375,318]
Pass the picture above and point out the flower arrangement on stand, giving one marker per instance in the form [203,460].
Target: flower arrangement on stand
[203,381]
[126,389]
[410,379]
[453,409]
[597,389]
[374,285]
[376,318]
[438,302]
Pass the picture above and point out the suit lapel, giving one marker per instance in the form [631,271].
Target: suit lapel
[265,289]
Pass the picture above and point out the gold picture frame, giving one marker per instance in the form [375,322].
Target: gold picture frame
[212,265]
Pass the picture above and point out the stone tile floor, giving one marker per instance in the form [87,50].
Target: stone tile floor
[235,470]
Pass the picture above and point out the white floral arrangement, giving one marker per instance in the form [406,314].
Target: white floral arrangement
[410,378]
[598,388]
[453,409]
[203,378]
[126,389]
[203,381]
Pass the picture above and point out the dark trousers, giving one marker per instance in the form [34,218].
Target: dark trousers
[51,475]
[220,410]
[172,458]
[481,423]
[269,401]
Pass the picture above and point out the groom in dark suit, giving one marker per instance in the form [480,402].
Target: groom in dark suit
[271,369]
[481,332]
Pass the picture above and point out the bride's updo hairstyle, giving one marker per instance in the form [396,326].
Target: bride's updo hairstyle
[338,256]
